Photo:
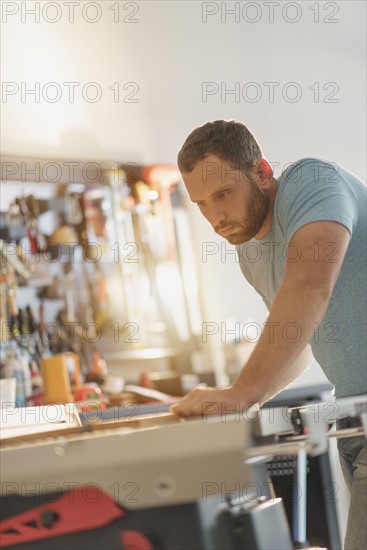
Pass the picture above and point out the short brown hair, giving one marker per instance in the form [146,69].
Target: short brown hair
[229,140]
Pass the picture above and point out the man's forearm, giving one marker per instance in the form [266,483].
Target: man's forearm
[290,326]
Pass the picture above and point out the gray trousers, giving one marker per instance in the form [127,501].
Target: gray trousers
[353,460]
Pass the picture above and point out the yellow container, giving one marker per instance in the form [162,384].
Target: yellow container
[56,379]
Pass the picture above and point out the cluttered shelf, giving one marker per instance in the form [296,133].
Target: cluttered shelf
[96,275]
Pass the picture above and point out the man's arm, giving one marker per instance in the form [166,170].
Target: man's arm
[301,303]
[298,307]
[296,369]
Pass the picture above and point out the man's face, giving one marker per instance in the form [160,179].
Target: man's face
[235,206]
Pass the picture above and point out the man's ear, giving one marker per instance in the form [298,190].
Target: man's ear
[263,173]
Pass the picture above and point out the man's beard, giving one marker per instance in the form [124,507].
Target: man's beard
[246,229]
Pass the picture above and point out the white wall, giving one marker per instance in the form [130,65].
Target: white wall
[169,52]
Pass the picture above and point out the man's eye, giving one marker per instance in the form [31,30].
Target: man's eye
[223,195]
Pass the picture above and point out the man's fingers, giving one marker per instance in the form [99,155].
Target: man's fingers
[174,408]
[184,407]
[193,403]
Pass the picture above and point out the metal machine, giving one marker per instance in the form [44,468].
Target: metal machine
[168,483]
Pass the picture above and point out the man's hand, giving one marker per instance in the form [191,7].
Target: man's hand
[202,401]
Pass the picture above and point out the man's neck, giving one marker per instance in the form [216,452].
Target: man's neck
[266,226]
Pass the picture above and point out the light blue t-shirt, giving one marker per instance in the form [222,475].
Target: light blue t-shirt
[312,190]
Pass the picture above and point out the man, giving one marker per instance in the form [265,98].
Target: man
[309,231]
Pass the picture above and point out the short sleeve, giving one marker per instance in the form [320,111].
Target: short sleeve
[313,190]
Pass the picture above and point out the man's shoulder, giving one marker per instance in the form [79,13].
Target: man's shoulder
[302,168]
[313,189]
[311,173]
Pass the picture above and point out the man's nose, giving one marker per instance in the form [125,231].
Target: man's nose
[216,216]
